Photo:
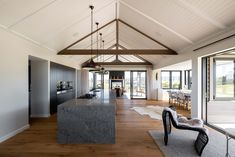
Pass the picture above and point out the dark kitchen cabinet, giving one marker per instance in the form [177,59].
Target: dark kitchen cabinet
[60,73]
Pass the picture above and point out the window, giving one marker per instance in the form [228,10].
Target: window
[176,81]
[171,79]
[165,79]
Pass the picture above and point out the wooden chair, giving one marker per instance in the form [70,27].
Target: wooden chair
[169,116]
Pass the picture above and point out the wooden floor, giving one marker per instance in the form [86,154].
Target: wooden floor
[132,138]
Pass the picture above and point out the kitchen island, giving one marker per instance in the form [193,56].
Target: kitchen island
[87,120]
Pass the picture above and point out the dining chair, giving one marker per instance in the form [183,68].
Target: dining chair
[172,97]
[181,99]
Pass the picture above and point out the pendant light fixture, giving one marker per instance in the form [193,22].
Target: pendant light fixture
[101,46]
[90,65]
[105,72]
[101,67]
[98,67]
[97,46]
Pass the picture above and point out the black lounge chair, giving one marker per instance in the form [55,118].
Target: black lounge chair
[170,116]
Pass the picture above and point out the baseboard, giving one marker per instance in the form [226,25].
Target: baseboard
[13,133]
[40,116]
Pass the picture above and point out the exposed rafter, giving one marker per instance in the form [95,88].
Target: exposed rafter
[123,63]
[86,36]
[166,51]
[137,30]
[120,52]
[157,22]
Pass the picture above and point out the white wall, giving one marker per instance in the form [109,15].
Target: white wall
[14,53]
[39,89]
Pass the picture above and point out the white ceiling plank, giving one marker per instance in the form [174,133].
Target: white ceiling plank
[152,58]
[108,34]
[140,41]
[77,30]
[157,22]
[175,17]
[14,11]
[46,24]
[222,11]
[127,46]
[201,13]
[155,31]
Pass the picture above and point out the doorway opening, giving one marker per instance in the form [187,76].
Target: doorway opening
[135,84]
[138,84]
[38,87]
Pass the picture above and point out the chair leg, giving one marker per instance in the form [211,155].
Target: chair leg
[201,142]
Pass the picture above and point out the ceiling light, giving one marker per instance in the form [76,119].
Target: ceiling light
[90,64]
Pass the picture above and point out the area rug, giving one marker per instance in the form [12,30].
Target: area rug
[181,144]
[154,112]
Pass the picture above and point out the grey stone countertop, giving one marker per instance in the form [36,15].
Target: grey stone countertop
[104,98]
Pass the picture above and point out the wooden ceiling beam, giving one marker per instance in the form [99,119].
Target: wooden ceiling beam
[86,36]
[119,52]
[147,36]
[123,63]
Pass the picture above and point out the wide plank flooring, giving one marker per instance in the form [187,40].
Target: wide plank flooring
[132,138]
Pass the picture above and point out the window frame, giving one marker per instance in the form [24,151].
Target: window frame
[170,79]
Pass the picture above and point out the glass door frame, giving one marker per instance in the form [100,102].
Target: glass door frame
[205,90]
[132,82]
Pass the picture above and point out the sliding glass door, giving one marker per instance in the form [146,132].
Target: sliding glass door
[138,85]
[218,90]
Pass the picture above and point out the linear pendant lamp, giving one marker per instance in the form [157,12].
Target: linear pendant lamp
[90,65]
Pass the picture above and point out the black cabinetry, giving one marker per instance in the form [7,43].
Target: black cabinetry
[60,74]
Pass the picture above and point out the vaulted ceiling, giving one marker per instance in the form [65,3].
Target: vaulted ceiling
[55,24]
